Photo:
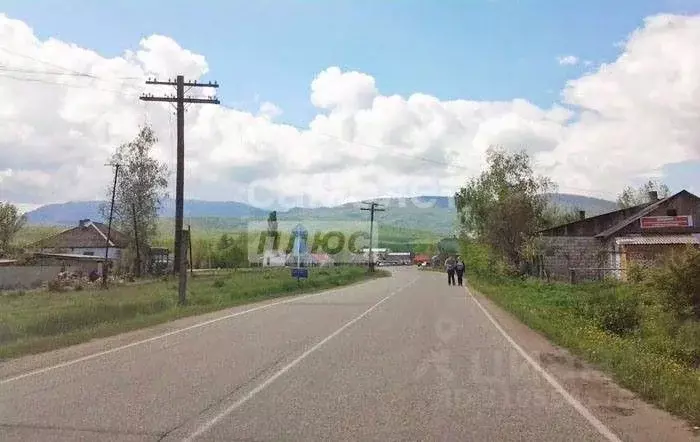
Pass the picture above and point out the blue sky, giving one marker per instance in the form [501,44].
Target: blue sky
[477,49]
[271,50]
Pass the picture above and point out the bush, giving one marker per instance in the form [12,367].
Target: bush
[678,284]
[219,283]
[637,273]
[56,285]
[617,312]
[688,342]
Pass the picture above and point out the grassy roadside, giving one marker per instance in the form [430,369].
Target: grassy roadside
[41,321]
[613,326]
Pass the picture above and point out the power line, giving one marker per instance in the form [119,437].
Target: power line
[3,69]
[29,57]
[68,85]
[448,164]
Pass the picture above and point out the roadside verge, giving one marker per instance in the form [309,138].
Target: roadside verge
[627,361]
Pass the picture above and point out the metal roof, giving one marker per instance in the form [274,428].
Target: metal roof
[659,239]
[71,256]
[648,209]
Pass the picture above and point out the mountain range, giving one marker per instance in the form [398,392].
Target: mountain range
[429,213]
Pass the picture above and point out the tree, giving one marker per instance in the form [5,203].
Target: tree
[504,205]
[630,197]
[272,224]
[11,222]
[141,187]
[556,216]
[230,252]
[224,242]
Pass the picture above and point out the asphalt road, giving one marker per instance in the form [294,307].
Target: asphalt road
[400,358]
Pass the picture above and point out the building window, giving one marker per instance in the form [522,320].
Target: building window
[671,212]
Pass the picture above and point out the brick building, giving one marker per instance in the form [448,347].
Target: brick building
[604,245]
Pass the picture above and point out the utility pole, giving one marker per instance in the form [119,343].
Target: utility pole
[189,246]
[373,207]
[182,288]
[109,223]
[180,99]
[137,269]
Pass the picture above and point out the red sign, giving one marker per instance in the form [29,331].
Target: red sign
[656,222]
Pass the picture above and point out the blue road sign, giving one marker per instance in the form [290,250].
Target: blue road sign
[300,273]
[300,237]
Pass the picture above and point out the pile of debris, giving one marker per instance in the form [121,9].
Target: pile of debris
[77,281]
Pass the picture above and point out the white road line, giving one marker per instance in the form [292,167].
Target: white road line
[164,335]
[582,410]
[209,424]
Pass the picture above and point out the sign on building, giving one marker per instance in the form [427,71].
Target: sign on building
[656,222]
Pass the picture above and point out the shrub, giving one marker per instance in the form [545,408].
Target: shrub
[688,342]
[617,312]
[637,273]
[678,284]
[219,283]
[56,285]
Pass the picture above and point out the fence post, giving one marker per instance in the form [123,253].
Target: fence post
[572,276]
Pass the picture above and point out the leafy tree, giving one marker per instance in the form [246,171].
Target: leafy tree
[630,197]
[11,222]
[556,216]
[272,223]
[141,187]
[504,205]
[224,242]
[230,252]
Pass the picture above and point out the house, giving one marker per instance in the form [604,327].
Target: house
[274,258]
[377,253]
[321,259]
[88,238]
[398,258]
[605,245]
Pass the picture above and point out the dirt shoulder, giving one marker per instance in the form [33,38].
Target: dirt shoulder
[631,418]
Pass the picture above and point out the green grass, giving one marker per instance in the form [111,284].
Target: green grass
[615,327]
[34,322]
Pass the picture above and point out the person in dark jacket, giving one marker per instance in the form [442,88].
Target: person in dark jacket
[450,267]
[459,270]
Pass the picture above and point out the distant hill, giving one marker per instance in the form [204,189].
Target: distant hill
[592,206]
[68,214]
[428,213]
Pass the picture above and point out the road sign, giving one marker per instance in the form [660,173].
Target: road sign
[657,222]
[300,237]
[300,273]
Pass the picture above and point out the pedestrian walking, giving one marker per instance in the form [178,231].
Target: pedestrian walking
[450,267]
[459,269]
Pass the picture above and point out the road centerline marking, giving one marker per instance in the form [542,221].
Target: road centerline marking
[164,335]
[251,394]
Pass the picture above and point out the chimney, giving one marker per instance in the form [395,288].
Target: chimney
[653,196]
[581,214]
[84,223]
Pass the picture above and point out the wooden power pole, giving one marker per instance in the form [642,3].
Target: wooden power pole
[180,99]
[373,207]
[105,265]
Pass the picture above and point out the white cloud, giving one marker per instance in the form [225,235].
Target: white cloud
[269,110]
[625,120]
[568,60]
